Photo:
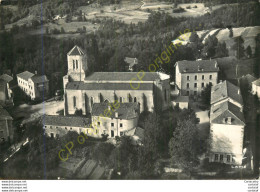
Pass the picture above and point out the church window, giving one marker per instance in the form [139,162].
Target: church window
[73,64]
[74,102]
[135,100]
[121,99]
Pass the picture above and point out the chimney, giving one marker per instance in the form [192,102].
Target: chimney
[216,65]
[238,91]
[198,68]
[35,72]
[116,114]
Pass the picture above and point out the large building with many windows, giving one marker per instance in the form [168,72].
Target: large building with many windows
[193,76]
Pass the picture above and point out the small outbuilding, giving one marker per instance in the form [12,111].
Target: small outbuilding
[181,101]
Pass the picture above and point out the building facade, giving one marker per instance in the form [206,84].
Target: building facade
[227,124]
[6,93]
[82,90]
[115,119]
[193,76]
[33,85]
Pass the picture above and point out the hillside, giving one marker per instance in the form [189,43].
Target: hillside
[247,33]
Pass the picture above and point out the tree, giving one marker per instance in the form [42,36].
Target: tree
[101,152]
[239,47]
[194,37]
[221,50]
[62,30]
[184,145]
[209,48]
[205,94]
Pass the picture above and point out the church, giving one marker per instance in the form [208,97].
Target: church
[83,89]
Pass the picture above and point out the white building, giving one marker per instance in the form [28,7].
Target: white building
[226,124]
[6,94]
[131,63]
[256,88]
[193,76]
[35,86]
[181,101]
[115,119]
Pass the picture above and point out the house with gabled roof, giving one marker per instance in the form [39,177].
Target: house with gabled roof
[34,85]
[226,91]
[193,76]
[227,124]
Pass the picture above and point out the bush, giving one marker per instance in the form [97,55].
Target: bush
[195,6]
[188,7]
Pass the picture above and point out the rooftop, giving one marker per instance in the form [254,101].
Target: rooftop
[126,76]
[6,78]
[39,78]
[67,121]
[125,110]
[221,112]
[76,50]
[25,75]
[77,85]
[200,66]
[224,90]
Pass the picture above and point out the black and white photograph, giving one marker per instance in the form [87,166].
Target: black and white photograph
[120,90]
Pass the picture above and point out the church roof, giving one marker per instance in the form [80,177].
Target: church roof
[25,75]
[125,110]
[200,66]
[224,90]
[67,121]
[126,76]
[77,85]
[76,50]
[219,113]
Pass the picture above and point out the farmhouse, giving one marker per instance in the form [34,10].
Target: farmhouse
[193,76]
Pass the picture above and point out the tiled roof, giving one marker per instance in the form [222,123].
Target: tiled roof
[6,78]
[131,61]
[77,85]
[4,114]
[219,114]
[126,76]
[39,78]
[224,90]
[200,66]
[182,99]
[76,50]
[125,110]
[257,82]
[69,121]
[25,75]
